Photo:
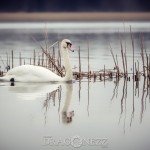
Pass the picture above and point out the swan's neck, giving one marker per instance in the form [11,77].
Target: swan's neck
[67,64]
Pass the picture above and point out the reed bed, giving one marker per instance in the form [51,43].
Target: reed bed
[51,59]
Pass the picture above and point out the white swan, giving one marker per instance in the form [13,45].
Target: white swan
[30,73]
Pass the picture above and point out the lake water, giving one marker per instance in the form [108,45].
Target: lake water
[82,115]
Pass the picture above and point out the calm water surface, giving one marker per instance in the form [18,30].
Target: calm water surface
[102,115]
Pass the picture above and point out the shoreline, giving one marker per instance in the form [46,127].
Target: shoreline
[73,16]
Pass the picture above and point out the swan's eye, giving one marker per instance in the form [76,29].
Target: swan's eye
[69,44]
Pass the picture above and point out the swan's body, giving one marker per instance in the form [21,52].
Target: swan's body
[30,73]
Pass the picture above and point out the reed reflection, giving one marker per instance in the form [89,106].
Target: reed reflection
[133,100]
[51,96]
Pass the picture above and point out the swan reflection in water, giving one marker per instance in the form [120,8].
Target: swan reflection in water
[66,115]
[33,91]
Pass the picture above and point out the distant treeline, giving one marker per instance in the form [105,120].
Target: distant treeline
[74,5]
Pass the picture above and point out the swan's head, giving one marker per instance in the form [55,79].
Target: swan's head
[66,44]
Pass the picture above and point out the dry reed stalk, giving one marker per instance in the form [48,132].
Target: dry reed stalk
[88,60]
[49,62]
[146,60]
[104,73]
[132,39]
[123,61]
[147,71]
[12,58]
[79,63]
[149,66]
[38,59]
[58,59]
[142,53]
[126,66]
[34,58]
[138,67]
[20,58]
[3,63]
[46,43]
[7,61]
[46,59]
[42,59]
[136,75]
[125,56]
[118,71]
[122,54]
[59,55]
[113,56]
[53,57]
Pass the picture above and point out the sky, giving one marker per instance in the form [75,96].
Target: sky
[74,5]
